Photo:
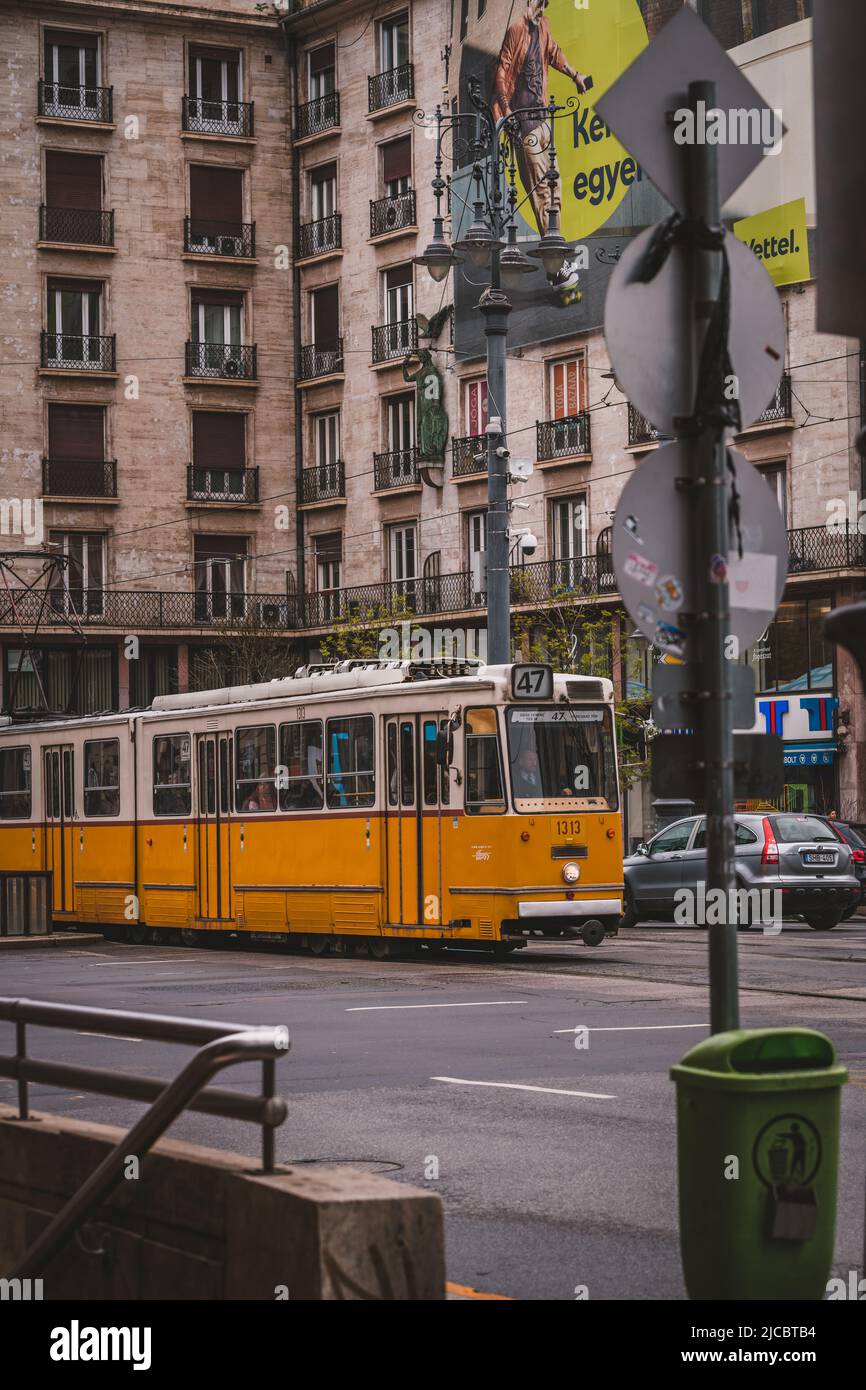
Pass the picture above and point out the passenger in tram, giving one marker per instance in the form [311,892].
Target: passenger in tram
[261,799]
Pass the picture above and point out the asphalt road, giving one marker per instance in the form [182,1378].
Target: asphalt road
[558,1171]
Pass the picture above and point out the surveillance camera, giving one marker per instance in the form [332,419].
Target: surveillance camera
[503,453]
[528,543]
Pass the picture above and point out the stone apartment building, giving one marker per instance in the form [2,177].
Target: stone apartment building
[347,519]
[147,397]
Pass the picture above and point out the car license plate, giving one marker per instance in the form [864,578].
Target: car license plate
[816,858]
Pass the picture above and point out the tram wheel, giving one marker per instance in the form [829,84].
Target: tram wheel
[379,949]
[318,945]
[189,936]
[137,933]
[503,949]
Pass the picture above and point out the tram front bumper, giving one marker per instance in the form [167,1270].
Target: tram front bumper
[578,908]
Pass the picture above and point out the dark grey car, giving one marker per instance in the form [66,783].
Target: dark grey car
[797,855]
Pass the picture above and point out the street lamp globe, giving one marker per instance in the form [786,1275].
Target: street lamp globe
[552,250]
[479,243]
[513,265]
[439,258]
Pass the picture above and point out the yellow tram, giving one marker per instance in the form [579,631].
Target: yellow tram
[349,806]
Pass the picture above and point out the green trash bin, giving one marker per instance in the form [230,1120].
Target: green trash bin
[758,1150]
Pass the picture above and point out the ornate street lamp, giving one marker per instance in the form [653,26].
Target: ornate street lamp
[491,242]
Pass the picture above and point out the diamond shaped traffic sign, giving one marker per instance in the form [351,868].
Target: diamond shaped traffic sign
[639,104]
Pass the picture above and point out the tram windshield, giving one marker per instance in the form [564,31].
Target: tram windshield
[564,753]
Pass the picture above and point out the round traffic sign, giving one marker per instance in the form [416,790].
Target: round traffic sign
[655,560]
[645,327]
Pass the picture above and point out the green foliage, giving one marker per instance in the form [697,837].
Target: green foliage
[582,640]
[358,636]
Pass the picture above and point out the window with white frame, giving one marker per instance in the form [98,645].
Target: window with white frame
[400,432]
[569,529]
[776,477]
[403,556]
[476,545]
[74,322]
[326,446]
[323,191]
[393,42]
[79,583]
[220,576]
[215,87]
[72,74]
[321,71]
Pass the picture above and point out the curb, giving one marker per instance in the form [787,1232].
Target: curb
[67,938]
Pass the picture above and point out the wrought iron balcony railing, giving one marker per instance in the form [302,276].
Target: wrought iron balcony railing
[810,550]
[76,226]
[389,88]
[222,361]
[392,340]
[72,352]
[321,361]
[201,116]
[399,468]
[780,407]
[392,214]
[326,482]
[222,484]
[640,431]
[203,236]
[317,238]
[562,438]
[79,478]
[317,116]
[468,455]
[71,103]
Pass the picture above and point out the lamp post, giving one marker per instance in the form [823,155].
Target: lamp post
[491,243]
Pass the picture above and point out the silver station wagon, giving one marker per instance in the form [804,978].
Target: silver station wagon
[775,850]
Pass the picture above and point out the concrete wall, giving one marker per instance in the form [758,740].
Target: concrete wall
[202,1224]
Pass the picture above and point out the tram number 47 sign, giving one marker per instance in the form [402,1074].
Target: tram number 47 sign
[532,682]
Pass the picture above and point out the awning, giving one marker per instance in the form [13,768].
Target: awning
[813,754]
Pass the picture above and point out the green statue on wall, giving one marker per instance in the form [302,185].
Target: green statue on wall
[430,414]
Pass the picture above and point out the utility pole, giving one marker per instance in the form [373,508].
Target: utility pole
[707,663]
[496,307]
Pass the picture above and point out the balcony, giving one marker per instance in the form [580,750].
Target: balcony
[780,409]
[65,103]
[69,352]
[203,117]
[390,88]
[221,484]
[564,438]
[78,478]
[640,431]
[468,455]
[394,340]
[399,468]
[320,361]
[316,117]
[221,361]
[392,214]
[76,226]
[204,237]
[320,238]
[810,550]
[324,483]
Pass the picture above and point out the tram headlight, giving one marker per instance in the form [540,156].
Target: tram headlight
[570,873]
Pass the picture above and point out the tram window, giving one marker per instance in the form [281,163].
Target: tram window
[301,757]
[15,792]
[52,787]
[225,775]
[172,784]
[484,794]
[102,777]
[407,763]
[68,784]
[207,778]
[393,761]
[429,760]
[444,774]
[255,763]
[351,779]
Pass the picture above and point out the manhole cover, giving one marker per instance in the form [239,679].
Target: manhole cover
[370,1165]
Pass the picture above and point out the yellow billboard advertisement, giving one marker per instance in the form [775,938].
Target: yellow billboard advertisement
[778,237]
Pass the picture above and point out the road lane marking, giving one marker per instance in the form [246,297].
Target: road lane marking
[118,1037]
[632,1028]
[518,1086]
[475,1004]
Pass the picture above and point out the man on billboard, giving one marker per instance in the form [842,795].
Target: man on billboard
[519,81]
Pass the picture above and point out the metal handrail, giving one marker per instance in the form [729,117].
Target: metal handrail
[223,1045]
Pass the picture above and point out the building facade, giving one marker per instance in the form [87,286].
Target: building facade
[345,522]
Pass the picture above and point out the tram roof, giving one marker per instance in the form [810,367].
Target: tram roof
[352,678]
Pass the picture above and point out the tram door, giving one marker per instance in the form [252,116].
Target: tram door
[58,772]
[214,778]
[413,821]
